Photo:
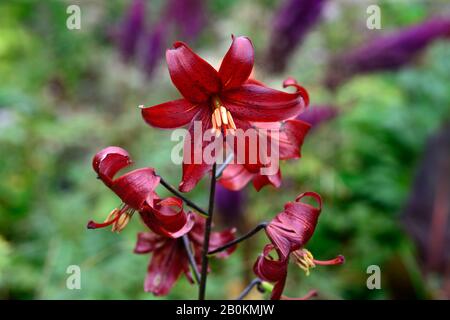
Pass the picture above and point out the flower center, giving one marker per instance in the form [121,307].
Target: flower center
[221,119]
[118,218]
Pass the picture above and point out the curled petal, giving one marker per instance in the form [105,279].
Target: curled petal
[109,161]
[253,102]
[195,78]
[292,228]
[237,63]
[167,217]
[172,114]
[166,266]
[271,270]
[262,180]
[136,187]
[194,166]
[291,82]
[148,242]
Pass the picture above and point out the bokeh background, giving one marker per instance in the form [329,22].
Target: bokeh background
[379,152]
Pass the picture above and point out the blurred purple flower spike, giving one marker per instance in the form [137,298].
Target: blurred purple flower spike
[316,115]
[292,22]
[154,49]
[388,52]
[230,204]
[188,15]
[131,30]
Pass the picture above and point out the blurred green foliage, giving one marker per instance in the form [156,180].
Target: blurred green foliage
[65,94]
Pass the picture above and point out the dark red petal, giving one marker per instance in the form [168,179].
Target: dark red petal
[291,82]
[195,78]
[218,239]
[167,217]
[148,242]
[291,137]
[271,270]
[253,102]
[237,63]
[262,180]
[109,161]
[166,266]
[172,114]
[235,177]
[292,228]
[194,166]
[136,187]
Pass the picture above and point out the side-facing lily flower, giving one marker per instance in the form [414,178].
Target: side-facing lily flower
[289,232]
[136,189]
[169,258]
[287,136]
[220,100]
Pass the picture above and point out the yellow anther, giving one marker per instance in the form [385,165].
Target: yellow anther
[112,215]
[231,121]
[217,117]
[122,222]
[223,113]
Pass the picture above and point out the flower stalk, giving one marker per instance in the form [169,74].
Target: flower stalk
[249,234]
[204,271]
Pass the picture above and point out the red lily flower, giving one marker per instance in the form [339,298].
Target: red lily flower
[169,258]
[136,189]
[288,138]
[221,100]
[289,232]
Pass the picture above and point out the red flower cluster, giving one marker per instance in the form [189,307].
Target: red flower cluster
[223,101]
[289,232]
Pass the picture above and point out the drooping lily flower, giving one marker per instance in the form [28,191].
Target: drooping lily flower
[169,258]
[136,189]
[220,100]
[289,232]
[288,136]
[387,52]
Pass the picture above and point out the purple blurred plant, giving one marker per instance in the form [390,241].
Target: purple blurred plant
[387,52]
[131,29]
[188,15]
[154,48]
[316,115]
[291,24]
[230,204]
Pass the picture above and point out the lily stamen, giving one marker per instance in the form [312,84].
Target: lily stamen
[118,218]
[221,118]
